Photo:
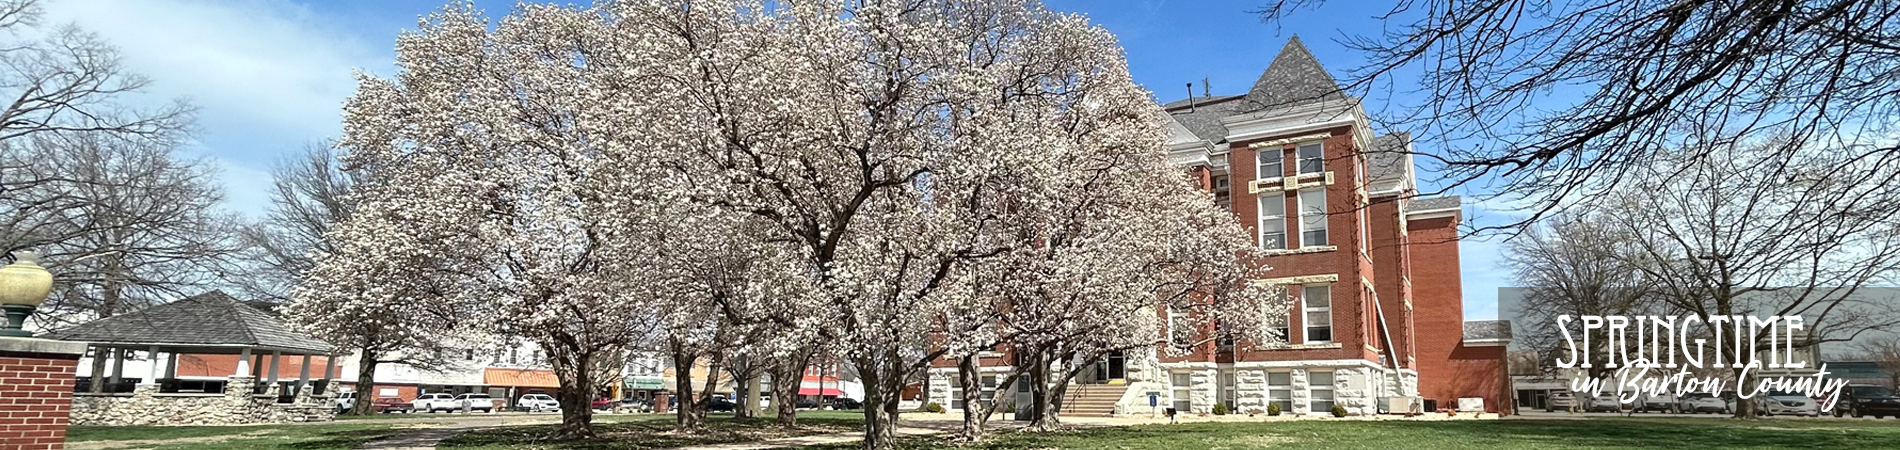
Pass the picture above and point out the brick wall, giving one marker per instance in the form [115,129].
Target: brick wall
[1447,370]
[36,390]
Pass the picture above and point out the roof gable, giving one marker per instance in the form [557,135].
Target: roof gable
[1295,77]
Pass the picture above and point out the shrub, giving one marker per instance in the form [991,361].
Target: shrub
[1009,408]
[1273,409]
[934,407]
[1220,409]
[1339,411]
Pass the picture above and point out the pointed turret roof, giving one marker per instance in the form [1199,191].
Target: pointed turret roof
[1295,77]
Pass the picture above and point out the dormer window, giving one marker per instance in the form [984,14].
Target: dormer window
[1312,157]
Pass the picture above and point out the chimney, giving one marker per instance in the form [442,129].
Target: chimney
[1190,97]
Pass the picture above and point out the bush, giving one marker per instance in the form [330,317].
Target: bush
[1273,409]
[1339,411]
[933,407]
[1009,408]
[1220,409]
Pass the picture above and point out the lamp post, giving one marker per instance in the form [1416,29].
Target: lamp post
[23,286]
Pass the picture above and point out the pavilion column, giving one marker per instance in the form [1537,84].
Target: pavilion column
[151,373]
[171,366]
[303,375]
[329,375]
[274,355]
[244,363]
[118,365]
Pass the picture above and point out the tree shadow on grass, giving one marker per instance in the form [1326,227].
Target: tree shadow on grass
[649,434]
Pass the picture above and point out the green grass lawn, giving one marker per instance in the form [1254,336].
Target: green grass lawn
[339,436]
[637,432]
[1503,434]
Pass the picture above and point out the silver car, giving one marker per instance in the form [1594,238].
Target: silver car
[1702,402]
[1787,403]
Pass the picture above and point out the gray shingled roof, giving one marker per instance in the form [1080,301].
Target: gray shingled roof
[1387,158]
[1203,119]
[208,319]
[1202,100]
[1295,77]
[1488,330]
[1428,204]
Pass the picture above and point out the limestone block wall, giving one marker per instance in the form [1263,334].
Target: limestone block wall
[1250,396]
[940,381]
[1203,391]
[1302,397]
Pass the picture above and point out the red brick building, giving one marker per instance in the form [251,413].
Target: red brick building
[1371,270]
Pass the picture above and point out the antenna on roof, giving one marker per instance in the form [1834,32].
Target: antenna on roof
[1190,97]
[1206,86]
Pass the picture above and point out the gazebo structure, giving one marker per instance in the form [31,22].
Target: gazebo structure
[208,325]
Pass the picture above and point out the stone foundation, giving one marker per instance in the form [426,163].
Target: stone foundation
[235,406]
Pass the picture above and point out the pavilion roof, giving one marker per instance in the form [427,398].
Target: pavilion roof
[212,320]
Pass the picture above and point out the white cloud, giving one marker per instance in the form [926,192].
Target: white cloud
[268,76]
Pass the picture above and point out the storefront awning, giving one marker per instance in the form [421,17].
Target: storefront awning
[645,383]
[520,378]
[827,392]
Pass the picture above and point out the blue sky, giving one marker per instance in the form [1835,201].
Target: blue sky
[270,76]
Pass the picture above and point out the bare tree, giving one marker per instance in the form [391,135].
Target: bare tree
[1557,101]
[1884,352]
[310,193]
[1577,265]
[1766,228]
[60,83]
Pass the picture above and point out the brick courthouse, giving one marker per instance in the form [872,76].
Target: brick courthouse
[1376,320]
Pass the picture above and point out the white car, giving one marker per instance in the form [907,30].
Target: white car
[1701,402]
[538,402]
[435,402]
[1788,403]
[475,402]
[1665,402]
[1605,402]
[344,401]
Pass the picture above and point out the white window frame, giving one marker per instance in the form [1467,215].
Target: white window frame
[1316,161]
[1365,231]
[1229,389]
[1307,312]
[956,392]
[1275,217]
[1279,163]
[1316,402]
[1177,325]
[1281,393]
[1313,217]
[1182,389]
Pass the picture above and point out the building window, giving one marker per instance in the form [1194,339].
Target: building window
[956,391]
[1222,193]
[1365,233]
[1312,158]
[1318,306]
[1272,163]
[1320,385]
[1312,217]
[1280,390]
[989,389]
[1181,387]
[1272,221]
[1281,325]
[1227,389]
[1180,327]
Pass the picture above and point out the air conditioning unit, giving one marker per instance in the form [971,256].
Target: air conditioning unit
[1401,405]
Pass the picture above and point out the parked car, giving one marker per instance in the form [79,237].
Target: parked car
[637,405]
[846,403]
[603,403]
[1786,403]
[722,404]
[391,404]
[537,402]
[1605,402]
[1665,402]
[344,401]
[434,402]
[805,403]
[475,402]
[1702,402]
[1862,401]
[1560,400]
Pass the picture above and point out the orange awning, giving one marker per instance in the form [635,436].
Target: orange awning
[520,378]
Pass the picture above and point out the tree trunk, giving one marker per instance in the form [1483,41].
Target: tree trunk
[99,357]
[786,376]
[974,408]
[577,399]
[365,383]
[1041,399]
[881,391]
[689,416]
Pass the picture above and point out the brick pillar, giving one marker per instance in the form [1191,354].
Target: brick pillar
[36,391]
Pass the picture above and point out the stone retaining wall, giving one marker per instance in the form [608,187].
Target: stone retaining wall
[236,406]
